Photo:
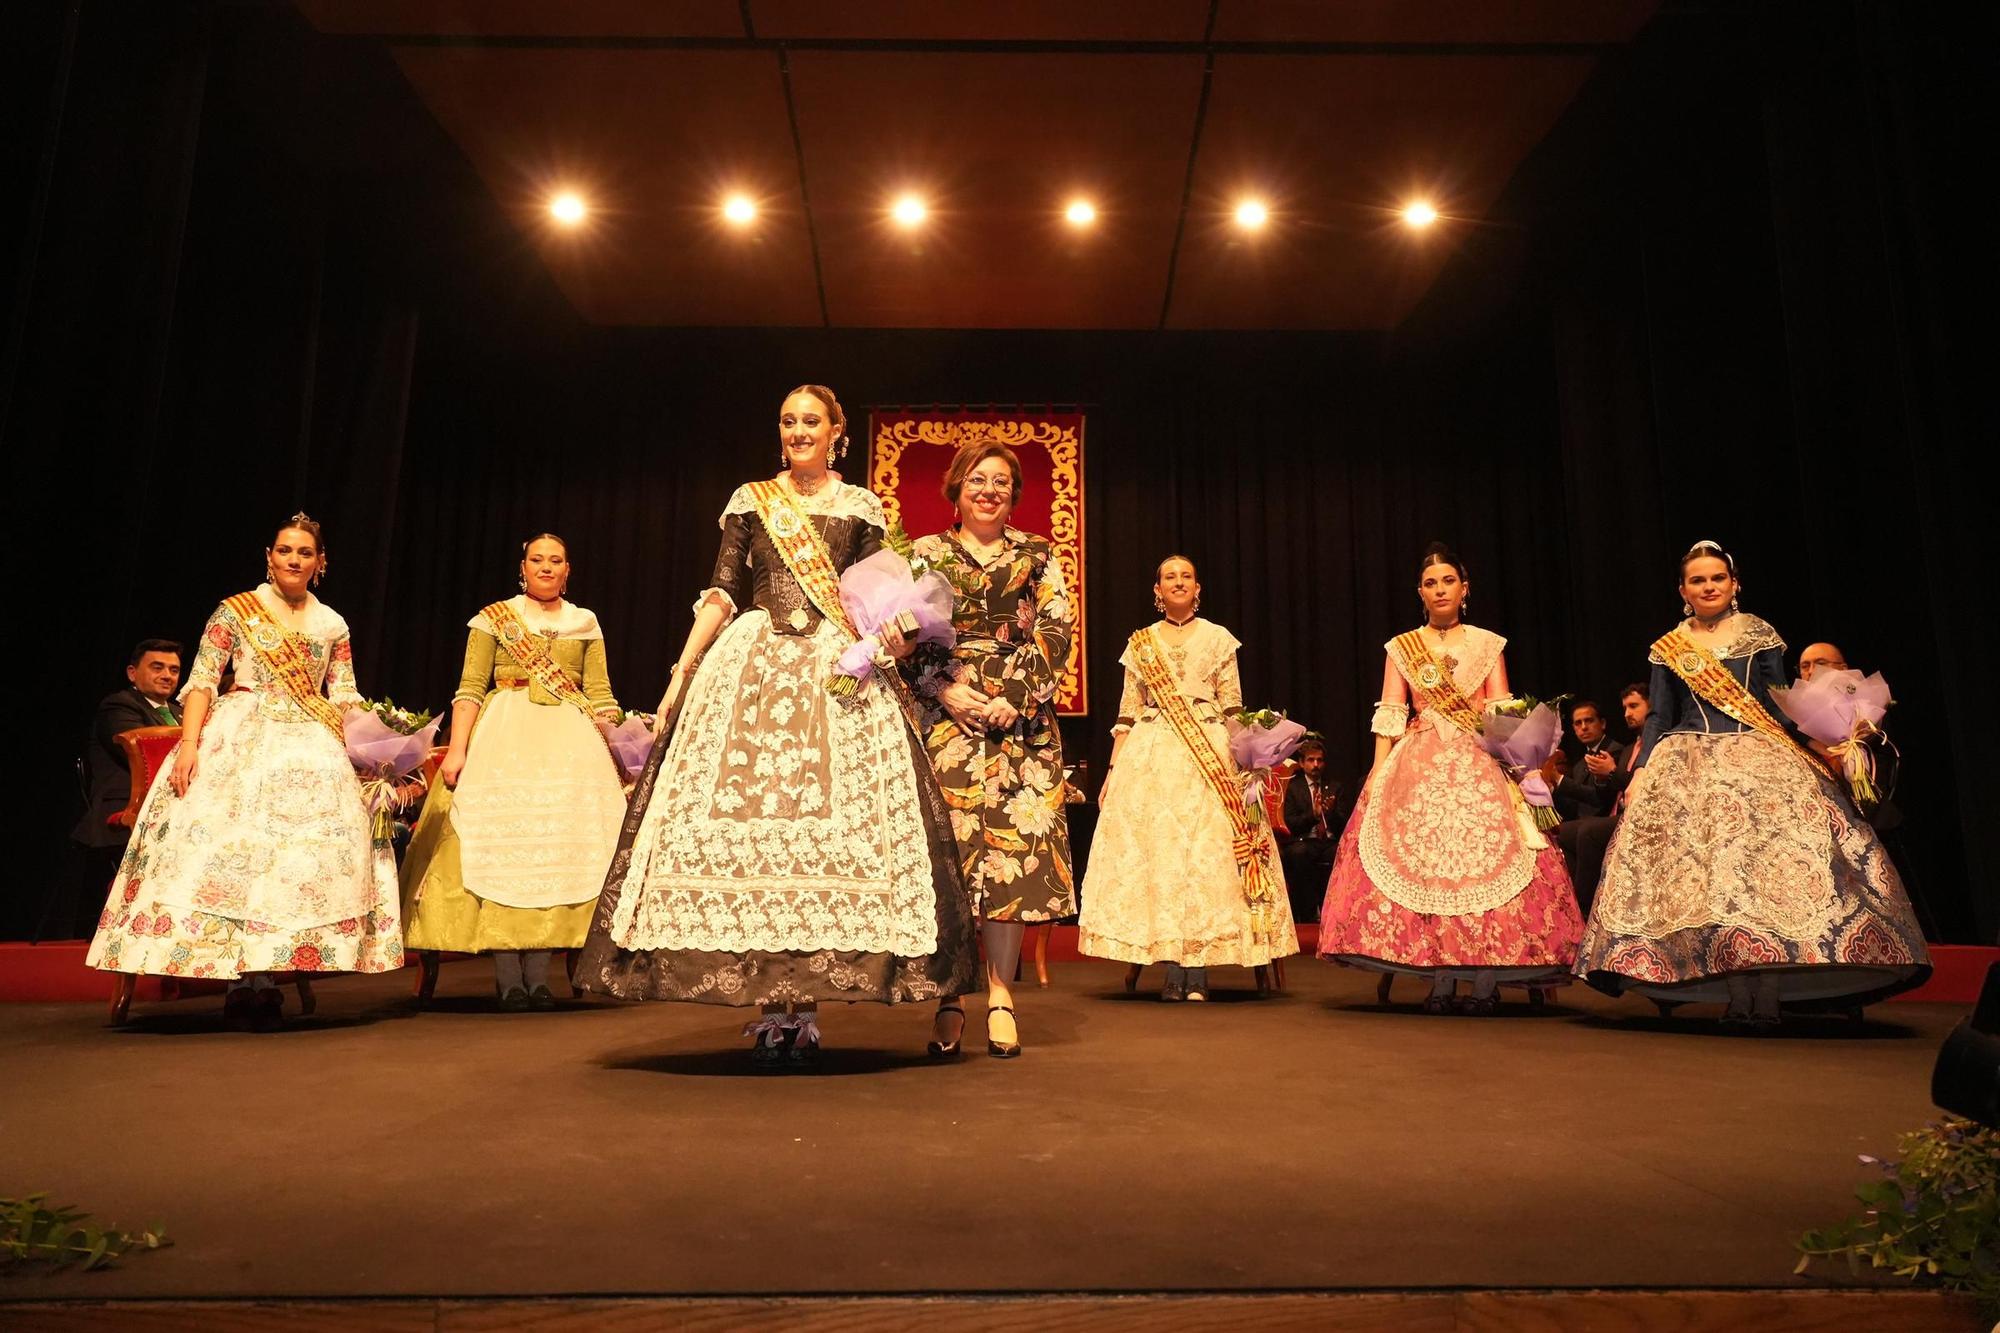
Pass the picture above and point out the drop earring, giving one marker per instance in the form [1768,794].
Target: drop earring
[1159,604]
[1686,609]
[524,583]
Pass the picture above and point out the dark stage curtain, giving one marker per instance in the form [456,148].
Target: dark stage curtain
[1721,301]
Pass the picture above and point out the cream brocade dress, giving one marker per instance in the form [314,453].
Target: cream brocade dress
[514,857]
[269,863]
[1161,884]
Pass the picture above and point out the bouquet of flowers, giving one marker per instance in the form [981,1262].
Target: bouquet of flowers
[1522,733]
[1842,710]
[386,745]
[882,591]
[630,739]
[1259,739]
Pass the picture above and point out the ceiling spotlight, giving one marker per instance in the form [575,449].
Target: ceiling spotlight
[1251,214]
[1419,214]
[1080,213]
[739,210]
[909,211]
[568,209]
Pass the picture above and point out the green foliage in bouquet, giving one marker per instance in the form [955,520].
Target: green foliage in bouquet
[899,541]
[1933,1218]
[1523,704]
[1264,718]
[402,721]
[32,1233]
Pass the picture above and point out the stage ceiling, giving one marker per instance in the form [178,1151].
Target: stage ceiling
[1165,114]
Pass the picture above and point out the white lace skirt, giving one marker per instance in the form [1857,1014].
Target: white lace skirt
[1161,884]
[538,806]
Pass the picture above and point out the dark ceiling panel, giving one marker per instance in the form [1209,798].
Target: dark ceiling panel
[1335,147]
[1504,21]
[537,18]
[653,140]
[998,144]
[985,20]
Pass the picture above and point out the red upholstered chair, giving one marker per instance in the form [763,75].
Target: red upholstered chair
[146,748]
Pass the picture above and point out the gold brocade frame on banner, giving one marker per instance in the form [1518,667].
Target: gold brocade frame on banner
[909,452]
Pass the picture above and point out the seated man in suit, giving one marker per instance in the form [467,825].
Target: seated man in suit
[1595,776]
[1592,793]
[152,673]
[1316,811]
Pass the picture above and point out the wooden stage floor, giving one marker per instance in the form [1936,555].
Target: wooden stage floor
[1301,1143]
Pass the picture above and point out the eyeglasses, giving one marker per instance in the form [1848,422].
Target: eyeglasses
[981,486]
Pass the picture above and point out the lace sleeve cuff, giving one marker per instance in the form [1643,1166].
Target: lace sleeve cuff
[717,597]
[1390,719]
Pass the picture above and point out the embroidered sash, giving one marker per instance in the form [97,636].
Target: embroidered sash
[283,655]
[1706,676]
[531,654]
[1252,851]
[805,554]
[1433,685]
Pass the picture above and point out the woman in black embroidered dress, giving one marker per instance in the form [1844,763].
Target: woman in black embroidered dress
[783,846]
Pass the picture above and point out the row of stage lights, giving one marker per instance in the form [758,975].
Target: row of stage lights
[910,212]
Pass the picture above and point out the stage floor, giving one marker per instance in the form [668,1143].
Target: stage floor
[1304,1141]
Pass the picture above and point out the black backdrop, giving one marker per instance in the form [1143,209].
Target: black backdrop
[1727,298]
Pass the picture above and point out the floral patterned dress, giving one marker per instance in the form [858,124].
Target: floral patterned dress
[1736,853]
[269,863]
[1441,867]
[1005,788]
[783,845]
[1163,884]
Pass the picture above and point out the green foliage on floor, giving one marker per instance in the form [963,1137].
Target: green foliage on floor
[1933,1218]
[32,1233]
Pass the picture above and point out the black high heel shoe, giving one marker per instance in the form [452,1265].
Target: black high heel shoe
[1001,1050]
[948,1050]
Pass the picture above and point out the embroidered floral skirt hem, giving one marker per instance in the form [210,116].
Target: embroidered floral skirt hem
[1532,934]
[1737,854]
[268,864]
[1162,885]
[443,915]
[783,846]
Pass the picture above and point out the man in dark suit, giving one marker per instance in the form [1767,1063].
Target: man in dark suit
[1315,814]
[1597,763]
[152,673]
[1595,788]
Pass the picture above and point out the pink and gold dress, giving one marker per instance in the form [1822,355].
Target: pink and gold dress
[1441,867]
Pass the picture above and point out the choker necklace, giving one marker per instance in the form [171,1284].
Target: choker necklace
[287,602]
[1177,623]
[548,604]
[804,489]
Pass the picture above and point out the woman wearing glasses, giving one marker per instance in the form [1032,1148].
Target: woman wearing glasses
[990,724]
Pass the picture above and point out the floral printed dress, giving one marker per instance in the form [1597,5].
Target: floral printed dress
[1163,884]
[1738,853]
[1440,867]
[783,845]
[269,863]
[1005,788]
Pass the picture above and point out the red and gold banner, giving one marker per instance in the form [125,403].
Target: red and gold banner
[910,451]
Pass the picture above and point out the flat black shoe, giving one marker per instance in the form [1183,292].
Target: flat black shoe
[514,1001]
[541,997]
[948,1050]
[1481,1006]
[1441,1004]
[1002,1050]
